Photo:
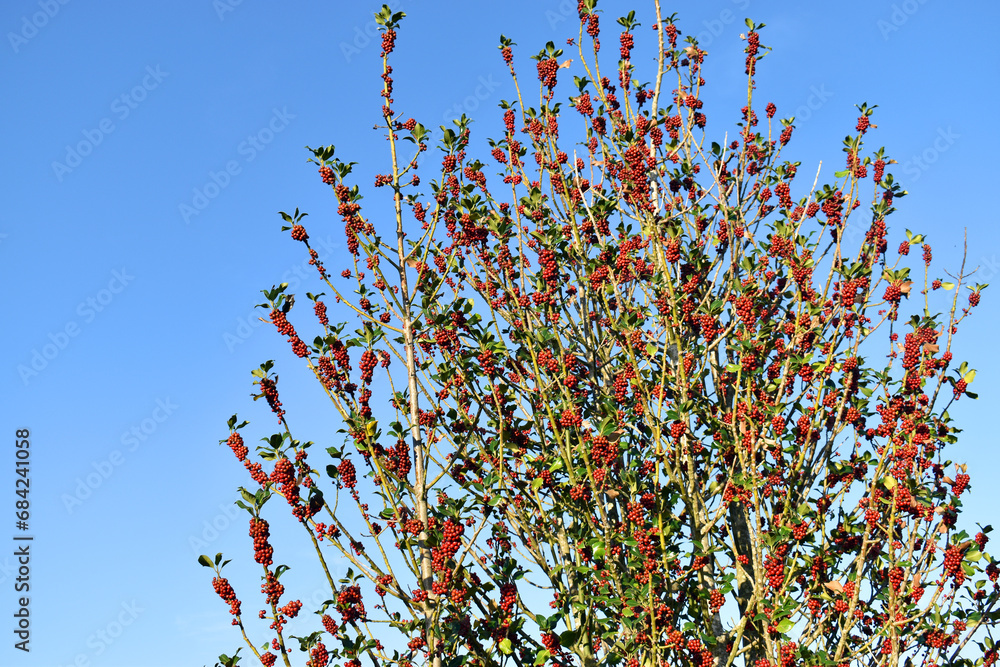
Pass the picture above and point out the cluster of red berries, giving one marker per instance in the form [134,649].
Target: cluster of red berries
[786,135]
[893,293]
[953,562]
[299,233]
[774,570]
[673,250]
[782,246]
[388,42]
[318,656]
[348,476]
[960,388]
[508,598]
[235,442]
[981,540]
[270,391]
[272,588]
[570,418]
[800,530]
[961,481]
[635,513]
[878,170]
[329,624]
[367,365]
[783,190]
[508,55]
[320,309]
[262,550]
[547,71]
[349,604]
[268,659]
[551,642]
[974,299]
[327,174]
[753,44]
[256,472]
[895,578]
[282,324]
[627,43]
[927,254]
[292,609]
[451,542]
[863,124]
[284,472]
[228,595]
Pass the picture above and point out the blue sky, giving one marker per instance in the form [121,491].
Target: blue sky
[149,147]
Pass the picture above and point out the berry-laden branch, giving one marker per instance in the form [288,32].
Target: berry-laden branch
[640,414]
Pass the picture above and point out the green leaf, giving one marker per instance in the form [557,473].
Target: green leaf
[205,560]
[569,638]
[537,483]
[506,647]
[785,626]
